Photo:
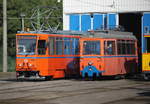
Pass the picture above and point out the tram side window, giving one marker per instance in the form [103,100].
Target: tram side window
[42,47]
[51,45]
[121,47]
[67,46]
[75,46]
[91,47]
[63,46]
[126,47]
[109,48]
[59,46]
[132,47]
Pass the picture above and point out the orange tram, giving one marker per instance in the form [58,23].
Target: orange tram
[75,54]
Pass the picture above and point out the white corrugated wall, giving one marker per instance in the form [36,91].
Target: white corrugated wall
[102,6]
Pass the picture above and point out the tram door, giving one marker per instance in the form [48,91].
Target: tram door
[42,60]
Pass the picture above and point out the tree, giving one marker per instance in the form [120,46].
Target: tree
[14,9]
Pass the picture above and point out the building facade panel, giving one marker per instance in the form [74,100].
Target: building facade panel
[105,6]
[83,7]
[74,22]
[97,21]
[112,21]
[145,31]
[85,22]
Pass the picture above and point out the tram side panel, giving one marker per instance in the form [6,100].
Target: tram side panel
[39,55]
[110,58]
[63,56]
[146,45]
[113,57]
[111,67]
[60,67]
[121,58]
[120,66]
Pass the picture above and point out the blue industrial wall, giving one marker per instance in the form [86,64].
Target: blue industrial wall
[74,22]
[112,21]
[98,21]
[145,29]
[85,22]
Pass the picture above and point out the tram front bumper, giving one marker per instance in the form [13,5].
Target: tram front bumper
[91,71]
[27,74]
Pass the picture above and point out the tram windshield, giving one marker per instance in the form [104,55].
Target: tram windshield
[91,48]
[26,45]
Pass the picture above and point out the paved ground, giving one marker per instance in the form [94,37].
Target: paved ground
[73,91]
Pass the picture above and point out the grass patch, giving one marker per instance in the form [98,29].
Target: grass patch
[11,60]
[11,64]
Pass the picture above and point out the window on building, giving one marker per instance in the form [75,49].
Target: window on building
[109,48]
[91,47]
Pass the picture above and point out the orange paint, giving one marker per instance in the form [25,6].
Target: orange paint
[43,61]
[57,66]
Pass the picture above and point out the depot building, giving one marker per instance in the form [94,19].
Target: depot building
[127,15]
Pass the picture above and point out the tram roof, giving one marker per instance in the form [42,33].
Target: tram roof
[92,34]
[113,34]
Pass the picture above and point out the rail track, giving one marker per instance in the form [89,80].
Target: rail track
[71,91]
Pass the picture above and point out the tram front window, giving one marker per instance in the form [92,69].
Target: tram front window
[26,45]
[91,48]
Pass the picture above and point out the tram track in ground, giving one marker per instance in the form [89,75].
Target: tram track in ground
[49,89]
[38,87]
[69,94]
[52,83]
[50,92]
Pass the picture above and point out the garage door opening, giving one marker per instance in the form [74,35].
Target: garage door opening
[132,23]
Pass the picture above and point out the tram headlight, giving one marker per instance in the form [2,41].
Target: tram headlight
[20,65]
[30,65]
[90,63]
[25,61]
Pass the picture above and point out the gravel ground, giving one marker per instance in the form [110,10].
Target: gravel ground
[73,91]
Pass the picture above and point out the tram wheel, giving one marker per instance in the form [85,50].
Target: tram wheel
[94,77]
[86,77]
[48,78]
[117,77]
[146,77]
